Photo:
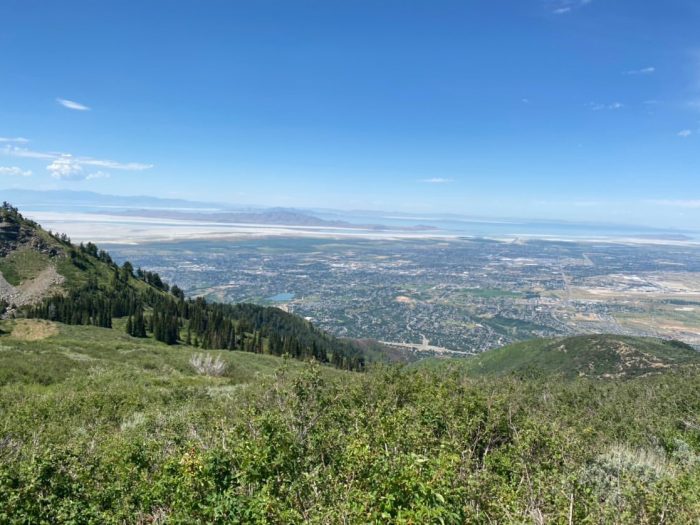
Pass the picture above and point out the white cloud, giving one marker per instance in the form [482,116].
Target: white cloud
[15,140]
[677,203]
[685,133]
[71,104]
[15,171]
[66,168]
[69,168]
[562,7]
[595,106]
[436,180]
[644,71]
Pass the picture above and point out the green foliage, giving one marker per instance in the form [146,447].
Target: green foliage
[602,356]
[116,429]
[22,265]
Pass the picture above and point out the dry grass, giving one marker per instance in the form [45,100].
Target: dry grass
[208,365]
[33,330]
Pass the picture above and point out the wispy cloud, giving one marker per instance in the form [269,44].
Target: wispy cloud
[15,171]
[72,104]
[644,71]
[436,180]
[16,151]
[13,140]
[110,164]
[595,106]
[562,7]
[685,133]
[676,203]
[98,175]
[62,162]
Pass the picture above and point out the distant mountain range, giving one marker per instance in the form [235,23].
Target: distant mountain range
[179,209]
[463,225]
[67,199]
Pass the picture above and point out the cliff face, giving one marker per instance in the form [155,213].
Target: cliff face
[15,234]
[9,232]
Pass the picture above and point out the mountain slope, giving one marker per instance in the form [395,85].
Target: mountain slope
[100,427]
[47,353]
[36,264]
[45,276]
[598,356]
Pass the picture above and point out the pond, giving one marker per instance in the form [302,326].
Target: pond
[281,297]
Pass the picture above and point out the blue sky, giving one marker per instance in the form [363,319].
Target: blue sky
[571,109]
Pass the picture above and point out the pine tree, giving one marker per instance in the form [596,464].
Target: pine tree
[139,325]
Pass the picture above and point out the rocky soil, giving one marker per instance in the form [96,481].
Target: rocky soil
[31,291]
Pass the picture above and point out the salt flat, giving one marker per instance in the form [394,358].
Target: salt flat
[118,229]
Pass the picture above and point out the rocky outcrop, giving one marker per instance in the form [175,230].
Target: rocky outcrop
[32,291]
[15,235]
[9,232]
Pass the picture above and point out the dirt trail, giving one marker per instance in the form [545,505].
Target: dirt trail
[33,290]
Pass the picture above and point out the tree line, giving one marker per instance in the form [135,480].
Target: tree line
[153,308]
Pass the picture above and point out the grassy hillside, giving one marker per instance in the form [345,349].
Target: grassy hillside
[598,356]
[100,427]
[38,352]
[23,265]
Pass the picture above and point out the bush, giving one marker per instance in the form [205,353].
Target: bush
[206,364]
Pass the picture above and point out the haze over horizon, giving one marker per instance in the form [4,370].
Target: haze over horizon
[579,110]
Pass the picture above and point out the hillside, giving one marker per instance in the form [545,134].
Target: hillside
[97,426]
[44,276]
[39,352]
[36,264]
[596,356]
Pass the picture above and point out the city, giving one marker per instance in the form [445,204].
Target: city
[457,296]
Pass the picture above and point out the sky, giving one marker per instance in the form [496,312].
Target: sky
[556,109]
